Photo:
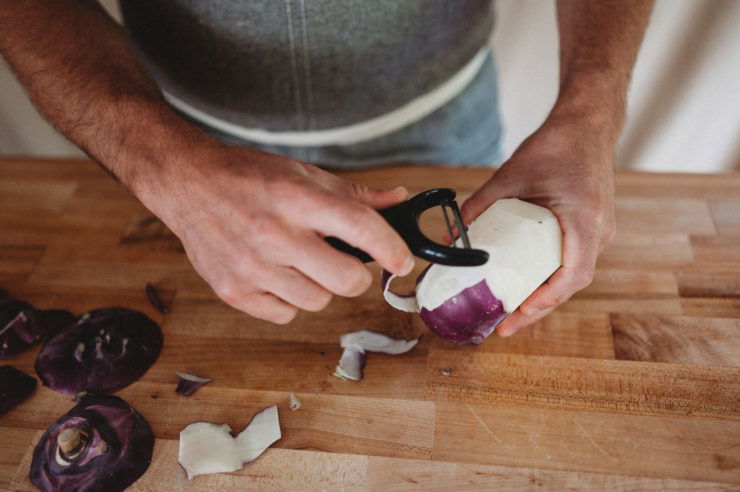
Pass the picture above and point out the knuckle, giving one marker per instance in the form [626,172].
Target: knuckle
[228,292]
[354,282]
[359,191]
[266,232]
[285,189]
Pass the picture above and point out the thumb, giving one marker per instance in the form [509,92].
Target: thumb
[378,199]
[494,189]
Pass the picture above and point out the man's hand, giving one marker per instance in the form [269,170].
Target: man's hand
[252,223]
[253,226]
[562,168]
[566,165]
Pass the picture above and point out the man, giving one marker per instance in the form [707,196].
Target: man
[353,82]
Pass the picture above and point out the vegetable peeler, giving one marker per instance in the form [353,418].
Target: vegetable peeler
[404,218]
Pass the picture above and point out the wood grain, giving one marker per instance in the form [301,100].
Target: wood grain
[634,384]
[641,388]
[285,469]
[678,339]
[587,441]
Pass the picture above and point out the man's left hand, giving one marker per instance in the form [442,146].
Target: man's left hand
[565,166]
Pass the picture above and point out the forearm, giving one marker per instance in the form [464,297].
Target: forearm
[81,71]
[599,41]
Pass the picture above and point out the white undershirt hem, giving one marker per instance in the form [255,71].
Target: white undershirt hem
[379,126]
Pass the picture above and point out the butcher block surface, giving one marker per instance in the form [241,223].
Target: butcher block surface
[632,384]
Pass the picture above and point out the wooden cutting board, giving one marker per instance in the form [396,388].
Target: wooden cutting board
[633,384]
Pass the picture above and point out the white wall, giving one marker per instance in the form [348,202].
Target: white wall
[684,103]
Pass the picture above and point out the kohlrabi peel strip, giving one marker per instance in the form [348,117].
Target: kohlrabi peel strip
[371,341]
[357,344]
[351,364]
[210,448]
[15,387]
[21,325]
[464,304]
[189,383]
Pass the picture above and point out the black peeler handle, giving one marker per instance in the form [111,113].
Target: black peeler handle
[404,218]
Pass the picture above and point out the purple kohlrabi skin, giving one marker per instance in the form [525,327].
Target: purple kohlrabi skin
[468,317]
[22,326]
[104,351]
[189,383]
[14,327]
[15,387]
[114,451]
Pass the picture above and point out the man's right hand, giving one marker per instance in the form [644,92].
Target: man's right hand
[253,225]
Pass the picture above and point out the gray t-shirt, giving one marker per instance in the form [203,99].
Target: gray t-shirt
[304,65]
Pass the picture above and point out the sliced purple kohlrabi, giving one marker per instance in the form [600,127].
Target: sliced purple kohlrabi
[464,304]
[15,387]
[100,444]
[22,326]
[104,351]
[155,300]
[189,383]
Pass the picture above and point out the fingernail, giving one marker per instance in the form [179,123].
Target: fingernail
[408,265]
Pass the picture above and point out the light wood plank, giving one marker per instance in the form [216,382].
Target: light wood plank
[286,469]
[723,308]
[642,388]
[664,215]
[720,255]
[721,186]
[630,284]
[558,334]
[726,216]
[687,340]
[395,474]
[647,252]
[557,439]
[333,423]
[15,443]
[27,196]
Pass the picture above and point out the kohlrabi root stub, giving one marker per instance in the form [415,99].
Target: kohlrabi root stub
[464,304]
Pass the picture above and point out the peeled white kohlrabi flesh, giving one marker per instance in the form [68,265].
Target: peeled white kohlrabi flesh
[524,242]
[262,431]
[210,448]
[464,304]
[371,341]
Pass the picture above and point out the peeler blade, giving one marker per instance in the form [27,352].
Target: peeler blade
[459,225]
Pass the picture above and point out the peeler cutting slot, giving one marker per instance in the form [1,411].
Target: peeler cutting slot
[404,218]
